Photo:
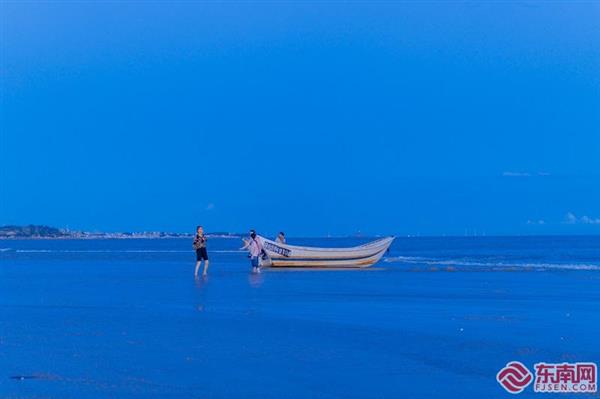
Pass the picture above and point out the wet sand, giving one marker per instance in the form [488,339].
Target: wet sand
[137,325]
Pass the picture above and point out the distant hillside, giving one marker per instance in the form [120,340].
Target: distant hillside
[31,231]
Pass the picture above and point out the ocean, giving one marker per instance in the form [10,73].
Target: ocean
[437,317]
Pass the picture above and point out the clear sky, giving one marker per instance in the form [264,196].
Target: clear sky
[381,117]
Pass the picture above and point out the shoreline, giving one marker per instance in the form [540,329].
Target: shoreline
[190,236]
[113,237]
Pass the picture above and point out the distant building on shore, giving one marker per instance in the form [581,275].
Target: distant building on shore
[40,231]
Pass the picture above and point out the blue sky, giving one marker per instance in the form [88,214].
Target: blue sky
[386,118]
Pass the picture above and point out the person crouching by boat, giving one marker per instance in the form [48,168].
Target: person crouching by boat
[201,254]
[255,249]
[280,238]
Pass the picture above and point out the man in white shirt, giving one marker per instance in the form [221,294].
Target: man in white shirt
[280,238]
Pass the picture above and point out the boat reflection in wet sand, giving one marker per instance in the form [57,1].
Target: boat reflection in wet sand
[284,255]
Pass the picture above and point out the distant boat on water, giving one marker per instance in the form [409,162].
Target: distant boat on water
[284,255]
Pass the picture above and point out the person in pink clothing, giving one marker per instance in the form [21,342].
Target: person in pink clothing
[255,249]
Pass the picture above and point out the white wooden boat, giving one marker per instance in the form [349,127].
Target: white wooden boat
[284,255]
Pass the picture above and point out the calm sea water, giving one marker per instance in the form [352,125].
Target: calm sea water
[437,316]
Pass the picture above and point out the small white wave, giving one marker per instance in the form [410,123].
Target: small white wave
[496,265]
[405,259]
[108,251]
[6,249]
[93,251]
[566,266]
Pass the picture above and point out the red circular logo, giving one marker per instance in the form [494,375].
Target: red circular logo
[515,377]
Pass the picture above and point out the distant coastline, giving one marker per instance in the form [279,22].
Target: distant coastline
[48,232]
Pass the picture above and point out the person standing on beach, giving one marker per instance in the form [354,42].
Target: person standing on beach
[199,246]
[254,246]
[280,238]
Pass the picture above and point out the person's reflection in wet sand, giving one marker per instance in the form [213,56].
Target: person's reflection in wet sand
[201,282]
[201,285]
[255,279]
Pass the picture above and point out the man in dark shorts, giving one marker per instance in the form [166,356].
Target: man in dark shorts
[201,255]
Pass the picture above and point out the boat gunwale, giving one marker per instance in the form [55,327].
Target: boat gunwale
[373,244]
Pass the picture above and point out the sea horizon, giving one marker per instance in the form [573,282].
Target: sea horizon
[163,234]
[236,235]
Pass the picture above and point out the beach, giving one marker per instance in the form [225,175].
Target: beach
[437,316]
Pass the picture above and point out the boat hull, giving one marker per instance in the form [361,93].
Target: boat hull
[283,255]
